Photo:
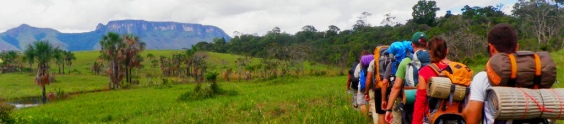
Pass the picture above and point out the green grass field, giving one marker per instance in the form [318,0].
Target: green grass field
[18,85]
[305,99]
[283,100]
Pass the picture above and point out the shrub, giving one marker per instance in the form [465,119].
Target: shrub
[5,110]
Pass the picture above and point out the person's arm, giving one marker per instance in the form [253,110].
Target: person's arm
[395,92]
[400,75]
[368,82]
[384,90]
[419,107]
[472,113]
[370,76]
[349,82]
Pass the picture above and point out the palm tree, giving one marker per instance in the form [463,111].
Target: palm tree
[29,56]
[112,49]
[59,60]
[134,46]
[68,57]
[44,52]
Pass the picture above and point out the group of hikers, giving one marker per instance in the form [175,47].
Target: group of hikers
[413,82]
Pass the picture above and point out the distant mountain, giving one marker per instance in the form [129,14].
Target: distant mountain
[157,35]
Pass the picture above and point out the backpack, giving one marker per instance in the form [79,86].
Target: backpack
[524,69]
[419,59]
[364,62]
[381,61]
[448,109]
[354,80]
[400,50]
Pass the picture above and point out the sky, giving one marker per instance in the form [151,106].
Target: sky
[244,16]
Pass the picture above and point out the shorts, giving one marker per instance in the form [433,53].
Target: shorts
[376,101]
[354,93]
[360,98]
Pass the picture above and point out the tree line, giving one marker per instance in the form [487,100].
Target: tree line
[539,23]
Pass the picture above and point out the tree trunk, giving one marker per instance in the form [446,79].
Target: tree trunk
[59,69]
[63,68]
[44,97]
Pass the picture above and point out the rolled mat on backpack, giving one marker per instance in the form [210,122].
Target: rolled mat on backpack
[439,87]
[409,96]
[509,103]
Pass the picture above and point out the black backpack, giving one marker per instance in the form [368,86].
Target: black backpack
[354,80]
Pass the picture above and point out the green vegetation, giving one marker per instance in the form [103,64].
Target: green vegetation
[308,100]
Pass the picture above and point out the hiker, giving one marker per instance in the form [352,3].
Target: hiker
[502,39]
[458,75]
[352,85]
[377,75]
[361,72]
[418,44]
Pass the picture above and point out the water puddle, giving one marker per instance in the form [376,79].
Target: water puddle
[25,102]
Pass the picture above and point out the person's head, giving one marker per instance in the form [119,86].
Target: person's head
[502,38]
[437,49]
[419,40]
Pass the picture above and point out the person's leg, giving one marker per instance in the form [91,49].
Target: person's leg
[377,99]
[354,98]
[362,103]
[373,106]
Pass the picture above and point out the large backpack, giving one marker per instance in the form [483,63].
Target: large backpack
[400,50]
[419,59]
[354,80]
[364,62]
[446,103]
[381,61]
[524,69]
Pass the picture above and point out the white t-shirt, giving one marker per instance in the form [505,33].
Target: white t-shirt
[478,88]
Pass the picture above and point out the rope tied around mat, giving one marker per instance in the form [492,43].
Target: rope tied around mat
[542,108]
[560,101]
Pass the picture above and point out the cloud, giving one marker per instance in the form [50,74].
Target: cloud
[246,16]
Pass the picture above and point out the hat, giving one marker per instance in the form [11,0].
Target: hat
[417,36]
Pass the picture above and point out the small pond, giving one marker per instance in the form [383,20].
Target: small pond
[25,102]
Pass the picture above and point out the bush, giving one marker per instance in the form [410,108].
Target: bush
[5,110]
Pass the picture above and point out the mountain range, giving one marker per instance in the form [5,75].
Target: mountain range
[156,35]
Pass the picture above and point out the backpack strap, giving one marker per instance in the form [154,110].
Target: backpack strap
[435,68]
[513,63]
[537,79]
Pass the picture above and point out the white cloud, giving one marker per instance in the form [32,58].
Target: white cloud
[246,16]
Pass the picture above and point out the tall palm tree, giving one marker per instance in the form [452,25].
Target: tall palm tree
[112,51]
[29,56]
[44,53]
[68,57]
[59,60]
[134,46]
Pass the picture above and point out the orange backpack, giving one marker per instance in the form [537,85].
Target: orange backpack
[446,110]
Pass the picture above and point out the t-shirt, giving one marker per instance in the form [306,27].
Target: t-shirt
[400,73]
[357,71]
[420,106]
[372,67]
[478,87]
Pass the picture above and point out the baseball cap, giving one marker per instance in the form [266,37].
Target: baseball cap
[417,36]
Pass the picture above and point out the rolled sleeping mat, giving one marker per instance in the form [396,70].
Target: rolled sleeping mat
[553,101]
[508,103]
[409,96]
[439,87]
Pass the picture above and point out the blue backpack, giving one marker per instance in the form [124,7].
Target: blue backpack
[400,50]
[362,79]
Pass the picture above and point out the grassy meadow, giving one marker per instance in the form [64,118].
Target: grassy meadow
[303,99]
